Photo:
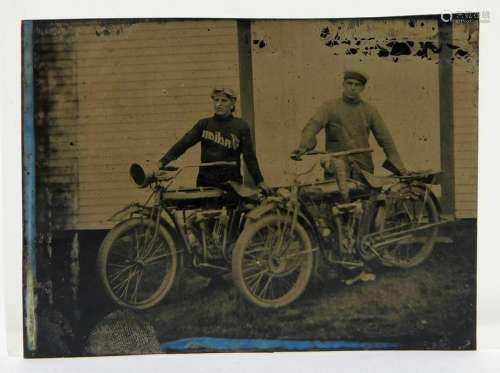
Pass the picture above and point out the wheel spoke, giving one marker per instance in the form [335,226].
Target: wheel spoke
[118,265]
[136,288]
[255,275]
[263,292]
[155,251]
[115,275]
[129,280]
[252,267]
[155,258]
[122,283]
[254,285]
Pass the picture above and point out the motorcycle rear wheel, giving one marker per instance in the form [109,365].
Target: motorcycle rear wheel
[412,207]
[138,268]
[267,273]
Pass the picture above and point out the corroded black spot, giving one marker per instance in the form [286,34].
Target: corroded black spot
[255,41]
[461,53]
[324,33]
[353,50]
[348,42]
[262,44]
[425,47]
[382,52]
[358,42]
[451,46]
[395,59]
[400,49]
[412,23]
[329,43]
[410,43]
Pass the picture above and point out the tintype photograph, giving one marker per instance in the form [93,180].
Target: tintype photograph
[230,185]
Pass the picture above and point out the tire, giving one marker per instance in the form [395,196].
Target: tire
[283,278]
[408,206]
[150,276]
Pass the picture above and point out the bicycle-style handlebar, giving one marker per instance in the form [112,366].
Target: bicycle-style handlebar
[297,157]
[164,174]
[144,176]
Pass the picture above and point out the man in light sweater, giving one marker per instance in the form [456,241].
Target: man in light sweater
[347,122]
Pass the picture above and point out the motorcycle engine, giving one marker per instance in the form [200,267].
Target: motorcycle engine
[207,232]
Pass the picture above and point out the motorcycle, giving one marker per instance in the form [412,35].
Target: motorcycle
[140,260]
[348,222]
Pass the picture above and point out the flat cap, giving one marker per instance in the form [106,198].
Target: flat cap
[357,75]
[225,91]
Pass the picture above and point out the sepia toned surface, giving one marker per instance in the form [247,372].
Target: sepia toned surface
[108,94]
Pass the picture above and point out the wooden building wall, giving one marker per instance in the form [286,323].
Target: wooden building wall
[302,65]
[299,64]
[465,105]
[136,88]
[112,93]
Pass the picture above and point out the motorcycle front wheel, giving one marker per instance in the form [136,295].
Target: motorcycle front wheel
[138,263]
[271,265]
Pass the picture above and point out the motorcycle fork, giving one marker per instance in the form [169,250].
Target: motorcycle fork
[292,209]
[155,216]
[353,213]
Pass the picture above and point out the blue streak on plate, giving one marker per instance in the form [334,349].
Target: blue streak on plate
[208,343]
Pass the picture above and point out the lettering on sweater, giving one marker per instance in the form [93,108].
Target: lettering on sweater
[231,143]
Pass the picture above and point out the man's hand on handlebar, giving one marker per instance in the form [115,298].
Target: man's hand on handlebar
[297,154]
[264,188]
[161,165]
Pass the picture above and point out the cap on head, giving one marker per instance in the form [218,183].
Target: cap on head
[225,91]
[356,75]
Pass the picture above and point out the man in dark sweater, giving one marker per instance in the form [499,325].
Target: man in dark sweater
[223,137]
[348,121]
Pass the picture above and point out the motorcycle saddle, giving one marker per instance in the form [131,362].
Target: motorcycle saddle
[377,182]
[244,191]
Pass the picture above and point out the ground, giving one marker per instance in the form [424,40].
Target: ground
[432,306]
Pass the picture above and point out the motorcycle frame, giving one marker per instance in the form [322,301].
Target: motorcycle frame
[176,226]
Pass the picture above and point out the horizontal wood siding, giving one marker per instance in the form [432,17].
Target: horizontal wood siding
[301,65]
[136,88]
[465,97]
[57,153]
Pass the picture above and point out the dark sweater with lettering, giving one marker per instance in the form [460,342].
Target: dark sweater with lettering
[222,139]
[348,123]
